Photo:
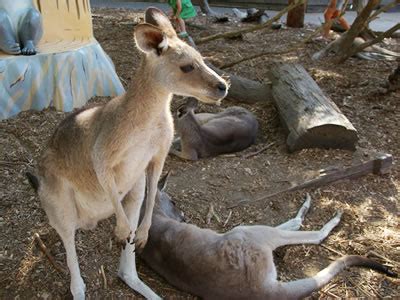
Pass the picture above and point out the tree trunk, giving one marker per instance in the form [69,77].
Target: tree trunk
[295,16]
[345,45]
[205,8]
[310,117]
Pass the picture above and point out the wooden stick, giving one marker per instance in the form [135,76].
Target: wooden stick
[379,38]
[228,218]
[288,49]
[246,30]
[103,274]
[380,165]
[248,155]
[46,252]
[332,250]
[382,10]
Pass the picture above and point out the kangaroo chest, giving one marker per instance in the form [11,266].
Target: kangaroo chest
[146,144]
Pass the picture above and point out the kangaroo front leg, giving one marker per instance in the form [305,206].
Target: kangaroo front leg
[153,175]
[285,237]
[295,223]
[127,266]
[105,175]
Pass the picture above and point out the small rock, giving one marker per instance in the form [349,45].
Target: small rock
[248,171]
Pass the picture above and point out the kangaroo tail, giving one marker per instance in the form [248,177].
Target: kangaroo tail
[33,181]
[304,287]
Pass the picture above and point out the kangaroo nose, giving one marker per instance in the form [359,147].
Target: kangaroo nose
[221,87]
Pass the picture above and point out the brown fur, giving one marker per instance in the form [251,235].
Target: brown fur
[97,160]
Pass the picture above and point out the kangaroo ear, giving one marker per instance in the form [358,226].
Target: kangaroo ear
[149,38]
[162,183]
[156,17]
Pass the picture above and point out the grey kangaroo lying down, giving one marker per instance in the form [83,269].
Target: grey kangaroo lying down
[205,135]
[239,263]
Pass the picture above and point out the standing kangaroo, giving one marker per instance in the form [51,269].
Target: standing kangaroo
[237,264]
[206,135]
[98,159]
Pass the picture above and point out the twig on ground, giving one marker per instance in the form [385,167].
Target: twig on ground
[289,49]
[246,30]
[46,252]
[103,274]
[358,286]
[248,155]
[228,218]
[211,213]
[333,250]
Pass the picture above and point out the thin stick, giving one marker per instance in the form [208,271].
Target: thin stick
[209,214]
[228,218]
[288,49]
[46,252]
[379,38]
[258,151]
[246,30]
[103,274]
[358,286]
[382,9]
[332,250]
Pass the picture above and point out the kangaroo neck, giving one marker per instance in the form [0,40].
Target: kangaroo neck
[146,96]
[189,126]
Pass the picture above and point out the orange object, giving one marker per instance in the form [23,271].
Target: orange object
[331,13]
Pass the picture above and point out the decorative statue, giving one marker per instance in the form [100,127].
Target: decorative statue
[20,27]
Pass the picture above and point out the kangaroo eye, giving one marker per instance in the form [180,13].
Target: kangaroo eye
[187,68]
[179,113]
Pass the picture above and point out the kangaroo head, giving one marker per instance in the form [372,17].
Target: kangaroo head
[188,107]
[174,64]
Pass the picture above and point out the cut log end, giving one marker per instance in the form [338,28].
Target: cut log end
[312,119]
[328,136]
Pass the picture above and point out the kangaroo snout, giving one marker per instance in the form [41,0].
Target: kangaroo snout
[222,88]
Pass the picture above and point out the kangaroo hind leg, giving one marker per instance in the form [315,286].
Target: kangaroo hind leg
[295,223]
[58,202]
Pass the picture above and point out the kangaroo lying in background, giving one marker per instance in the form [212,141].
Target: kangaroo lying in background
[237,264]
[206,135]
[97,159]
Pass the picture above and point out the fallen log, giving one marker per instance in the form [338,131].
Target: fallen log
[245,90]
[310,117]
[378,166]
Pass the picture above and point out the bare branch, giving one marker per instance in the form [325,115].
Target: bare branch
[246,30]
[288,49]
[382,10]
[379,38]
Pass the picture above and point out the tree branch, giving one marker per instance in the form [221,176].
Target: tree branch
[246,30]
[379,38]
[382,10]
[289,49]
[346,41]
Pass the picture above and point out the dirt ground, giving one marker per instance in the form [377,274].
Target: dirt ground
[370,223]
